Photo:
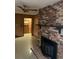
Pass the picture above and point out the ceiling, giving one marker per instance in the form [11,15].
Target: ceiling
[33,4]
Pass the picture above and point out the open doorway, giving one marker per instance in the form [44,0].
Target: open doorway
[27,25]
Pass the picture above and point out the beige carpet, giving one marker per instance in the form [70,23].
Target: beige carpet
[37,52]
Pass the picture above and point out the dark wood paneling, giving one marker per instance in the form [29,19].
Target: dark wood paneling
[19,25]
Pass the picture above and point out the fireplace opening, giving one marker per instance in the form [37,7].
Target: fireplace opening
[48,47]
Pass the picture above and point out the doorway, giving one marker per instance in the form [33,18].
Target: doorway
[27,25]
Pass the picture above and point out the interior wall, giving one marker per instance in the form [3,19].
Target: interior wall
[19,27]
[36,26]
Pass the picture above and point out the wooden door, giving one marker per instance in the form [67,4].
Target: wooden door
[26,28]
[19,25]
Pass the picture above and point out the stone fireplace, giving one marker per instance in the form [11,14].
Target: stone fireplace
[51,17]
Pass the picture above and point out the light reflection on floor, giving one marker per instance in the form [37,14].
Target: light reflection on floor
[23,47]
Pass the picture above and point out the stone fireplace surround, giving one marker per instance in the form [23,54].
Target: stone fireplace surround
[50,17]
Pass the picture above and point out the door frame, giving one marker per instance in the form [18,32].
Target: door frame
[33,17]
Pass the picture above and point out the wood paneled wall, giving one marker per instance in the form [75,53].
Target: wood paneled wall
[19,24]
